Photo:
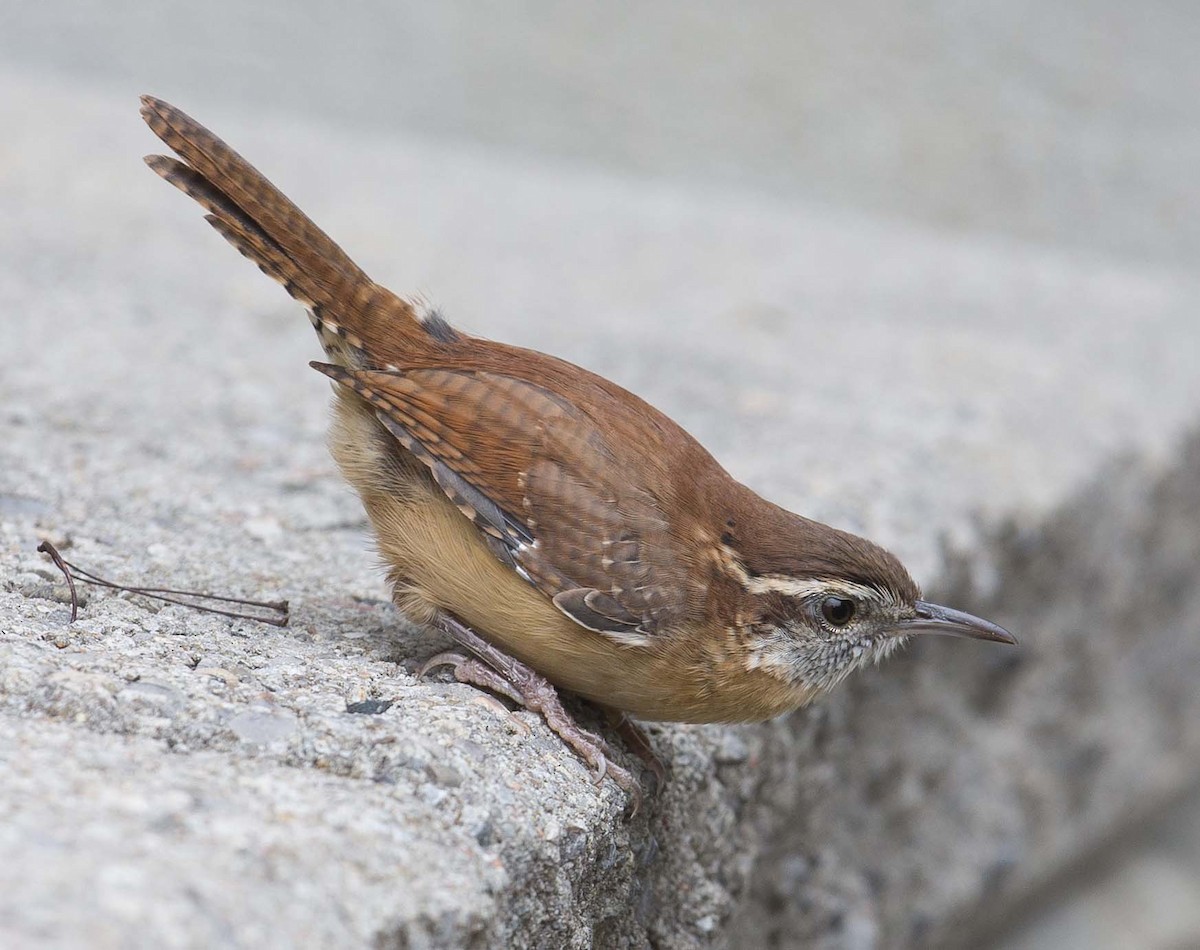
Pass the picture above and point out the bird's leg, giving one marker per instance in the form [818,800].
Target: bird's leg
[635,737]
[495,670]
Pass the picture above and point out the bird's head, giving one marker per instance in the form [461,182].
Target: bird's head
[830,602]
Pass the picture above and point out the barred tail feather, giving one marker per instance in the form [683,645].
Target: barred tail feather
[358,320]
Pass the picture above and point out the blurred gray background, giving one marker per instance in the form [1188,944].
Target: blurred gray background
[1059,121]
[1060,125]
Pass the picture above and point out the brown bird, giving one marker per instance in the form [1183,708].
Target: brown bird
[558,528]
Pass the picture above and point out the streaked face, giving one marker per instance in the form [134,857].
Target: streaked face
[817,632]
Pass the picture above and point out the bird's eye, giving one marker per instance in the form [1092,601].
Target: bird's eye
[837,611]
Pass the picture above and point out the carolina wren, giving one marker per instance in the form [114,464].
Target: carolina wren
[556,526]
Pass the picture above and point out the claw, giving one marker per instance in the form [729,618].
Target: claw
[500,710]
[448,658]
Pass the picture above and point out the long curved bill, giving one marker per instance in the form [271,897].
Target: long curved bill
[934,618]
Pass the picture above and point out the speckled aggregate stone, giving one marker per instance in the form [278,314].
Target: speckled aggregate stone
[169,778]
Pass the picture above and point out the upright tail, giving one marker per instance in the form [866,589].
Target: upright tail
[358,320]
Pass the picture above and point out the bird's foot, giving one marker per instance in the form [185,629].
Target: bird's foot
[494,670]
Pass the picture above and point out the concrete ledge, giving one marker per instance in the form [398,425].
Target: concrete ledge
[930,799]
[170,778]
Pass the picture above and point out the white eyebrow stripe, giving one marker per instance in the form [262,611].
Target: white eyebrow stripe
[799,587]
[792,587]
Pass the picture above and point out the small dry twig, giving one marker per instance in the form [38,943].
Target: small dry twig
[47,548]
[71,571]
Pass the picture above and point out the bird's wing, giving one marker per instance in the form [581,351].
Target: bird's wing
[539,480]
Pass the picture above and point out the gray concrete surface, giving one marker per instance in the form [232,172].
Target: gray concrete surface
[1139,892]
[175,779]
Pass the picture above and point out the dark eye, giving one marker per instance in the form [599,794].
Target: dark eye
[837,611]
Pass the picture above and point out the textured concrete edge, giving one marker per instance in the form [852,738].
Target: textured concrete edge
[554,868]
[1125,556]
[1057,749]
[928,798]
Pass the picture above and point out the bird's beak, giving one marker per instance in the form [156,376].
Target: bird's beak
[933,618]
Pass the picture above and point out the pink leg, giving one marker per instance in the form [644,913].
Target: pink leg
[495,670]
[635,737]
